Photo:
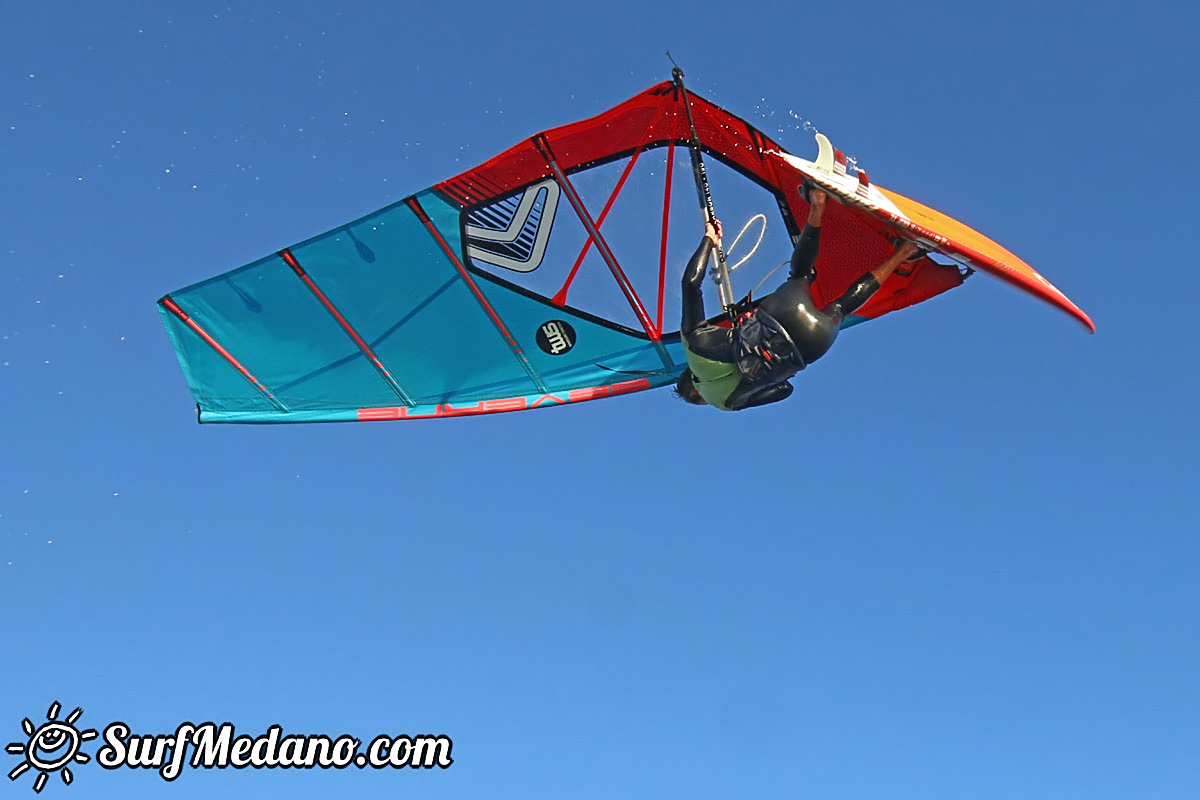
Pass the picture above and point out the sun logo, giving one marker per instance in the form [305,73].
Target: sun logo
[52,747]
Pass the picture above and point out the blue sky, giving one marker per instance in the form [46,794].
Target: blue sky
[960,561]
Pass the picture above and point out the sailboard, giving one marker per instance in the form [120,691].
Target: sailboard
[931,229]
[545,276]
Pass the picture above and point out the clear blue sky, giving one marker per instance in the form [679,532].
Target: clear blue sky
[961,561]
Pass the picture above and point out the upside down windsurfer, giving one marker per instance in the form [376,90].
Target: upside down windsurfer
[749,363]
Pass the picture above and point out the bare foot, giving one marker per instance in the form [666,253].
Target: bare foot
[816,206]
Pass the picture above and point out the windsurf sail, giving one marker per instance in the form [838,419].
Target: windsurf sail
[547,275]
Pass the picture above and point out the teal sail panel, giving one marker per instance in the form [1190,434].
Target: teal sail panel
[380,319]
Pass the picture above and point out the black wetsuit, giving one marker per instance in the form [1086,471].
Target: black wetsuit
[812,330]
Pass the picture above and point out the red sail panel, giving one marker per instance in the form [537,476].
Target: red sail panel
[656,117]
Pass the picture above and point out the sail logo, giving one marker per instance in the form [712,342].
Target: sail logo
[513,232]
[556,337]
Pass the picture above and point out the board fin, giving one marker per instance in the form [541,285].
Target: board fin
[824,160]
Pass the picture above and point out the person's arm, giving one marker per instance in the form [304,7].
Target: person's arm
[693,279]
[748,396]
[692,289]
[905,251]
[866,286]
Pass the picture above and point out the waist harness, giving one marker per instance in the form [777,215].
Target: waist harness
[764,351]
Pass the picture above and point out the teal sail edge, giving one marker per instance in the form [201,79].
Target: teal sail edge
[447,410]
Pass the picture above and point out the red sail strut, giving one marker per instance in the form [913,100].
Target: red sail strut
[483,301]
[561,297]
[174,308]
[287,256]
[605,252]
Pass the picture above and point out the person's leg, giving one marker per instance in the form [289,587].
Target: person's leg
[804,255]
[868,284]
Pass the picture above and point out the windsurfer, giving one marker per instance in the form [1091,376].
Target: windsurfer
[748,363]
